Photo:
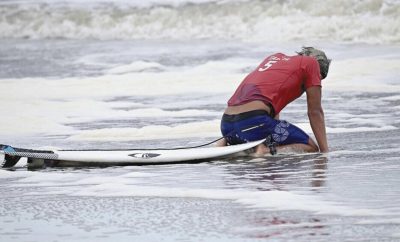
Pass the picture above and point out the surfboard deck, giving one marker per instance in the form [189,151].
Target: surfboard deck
[9,156]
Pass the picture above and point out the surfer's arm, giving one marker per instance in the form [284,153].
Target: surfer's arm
[316,117]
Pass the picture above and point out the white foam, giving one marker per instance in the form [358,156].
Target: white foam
[151,132]
[277,200]
[126,187]
[45,106]
[137,66]
[44,179]
[157,112]
[380,221]
[5,174]
[364,152]
[375,123]
[110,114]
[137,174]
[357,74]
[391,98]
[135,3]
[373,21]
[359,129]
[210,77]
[113,183]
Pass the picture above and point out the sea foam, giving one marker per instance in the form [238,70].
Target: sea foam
[128,185]
[373,21]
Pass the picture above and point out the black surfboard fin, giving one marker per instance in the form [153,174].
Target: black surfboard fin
[10,161]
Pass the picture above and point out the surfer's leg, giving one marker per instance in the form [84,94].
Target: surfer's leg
[262,149]
[297,140]
[298,147]
[220,143]
[290,138]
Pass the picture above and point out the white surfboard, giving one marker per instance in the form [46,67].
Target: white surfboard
[9,156]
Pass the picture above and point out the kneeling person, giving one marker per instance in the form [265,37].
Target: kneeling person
[253,110]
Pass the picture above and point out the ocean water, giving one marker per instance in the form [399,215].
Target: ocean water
[148,74]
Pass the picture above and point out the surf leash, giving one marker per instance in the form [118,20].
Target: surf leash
[176,148]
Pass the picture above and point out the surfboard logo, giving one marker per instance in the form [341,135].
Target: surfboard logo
[144,155]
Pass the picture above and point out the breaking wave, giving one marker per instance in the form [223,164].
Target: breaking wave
[369,21]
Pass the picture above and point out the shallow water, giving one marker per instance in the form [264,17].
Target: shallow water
[75,84]
[348,195]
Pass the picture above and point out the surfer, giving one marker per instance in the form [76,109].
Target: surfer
[253,110]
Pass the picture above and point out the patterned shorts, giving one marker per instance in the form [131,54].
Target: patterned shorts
[257,125]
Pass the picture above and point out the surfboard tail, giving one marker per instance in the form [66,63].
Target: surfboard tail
[7,160]
[9,156]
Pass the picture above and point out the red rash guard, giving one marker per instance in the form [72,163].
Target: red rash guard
[278,80]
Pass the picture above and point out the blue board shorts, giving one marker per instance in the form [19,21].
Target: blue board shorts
[257,125]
